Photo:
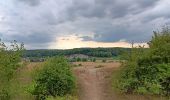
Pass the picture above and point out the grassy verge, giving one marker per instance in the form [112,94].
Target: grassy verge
[20,83]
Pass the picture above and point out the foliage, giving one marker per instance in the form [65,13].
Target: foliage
[148,71]
[84,59]
[9,62]
[95,52]
[54,79]
[63,98]
[93,59]
[104,60]
[78,59]
[79,64]
[72,60]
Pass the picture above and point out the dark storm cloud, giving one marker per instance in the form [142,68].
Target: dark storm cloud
[41,22]
[108,8]
[116,9]
[35,38]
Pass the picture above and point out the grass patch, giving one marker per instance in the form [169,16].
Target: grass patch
[20,82]
[69,97]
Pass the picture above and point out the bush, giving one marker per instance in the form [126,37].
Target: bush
[78,59]
[93,59]
[9,63]
[54,79]
[79,64]
[84,59]
[148,71]
[72,60]
[104,60]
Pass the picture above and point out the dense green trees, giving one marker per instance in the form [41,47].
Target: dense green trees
[95,52]
[9,62]
[54,79]
[148,71]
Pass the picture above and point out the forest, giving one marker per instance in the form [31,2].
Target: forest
[94,52]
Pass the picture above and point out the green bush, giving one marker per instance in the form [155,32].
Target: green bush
[72,60]
[9,63]
[148,71]
[78,59]
[84,59]
[94,59]
[79,64]
[54,79]
[104,60]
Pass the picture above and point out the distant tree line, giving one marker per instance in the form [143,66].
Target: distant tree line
[95,52]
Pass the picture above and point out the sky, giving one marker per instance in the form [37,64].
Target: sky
[65,24]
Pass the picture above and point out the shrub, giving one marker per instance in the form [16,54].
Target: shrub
[148,71]
[104,60]
[84,59]
[9,63]
[79,64]
[72,60]
[94,60]
[54,79]
[78,59]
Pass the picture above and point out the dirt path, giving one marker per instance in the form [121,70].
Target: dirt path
[94,80]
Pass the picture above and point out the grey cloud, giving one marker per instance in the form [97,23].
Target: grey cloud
[2,18]
[146,3]
[86,38]
[50,18]
[108,8]
[108,20]
[32,38]
[31,2]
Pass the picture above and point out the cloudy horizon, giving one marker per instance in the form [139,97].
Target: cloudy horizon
[64,24]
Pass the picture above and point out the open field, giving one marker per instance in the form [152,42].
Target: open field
[94,82]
